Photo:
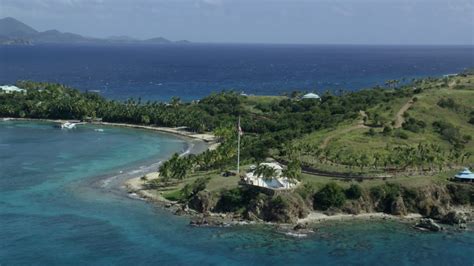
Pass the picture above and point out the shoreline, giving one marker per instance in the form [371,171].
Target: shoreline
[205,137]
[128,183]
[117,182]
[319,217]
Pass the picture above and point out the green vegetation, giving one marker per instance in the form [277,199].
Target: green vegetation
[331,195]
[354,192]
[264,171]
[191,190]
[420,128]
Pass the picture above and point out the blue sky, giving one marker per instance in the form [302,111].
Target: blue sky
[257,21]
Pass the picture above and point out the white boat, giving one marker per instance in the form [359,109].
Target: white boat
[68,125]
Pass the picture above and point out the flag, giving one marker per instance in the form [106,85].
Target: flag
[240,131]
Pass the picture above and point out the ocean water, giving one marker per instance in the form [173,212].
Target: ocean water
[58,206]
[193,71]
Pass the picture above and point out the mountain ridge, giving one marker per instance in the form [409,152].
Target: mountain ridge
[13,31]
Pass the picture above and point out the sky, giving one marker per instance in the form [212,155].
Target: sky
[256,21]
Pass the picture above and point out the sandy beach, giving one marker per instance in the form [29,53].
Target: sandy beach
[180,131]
[136,190]
[317,217]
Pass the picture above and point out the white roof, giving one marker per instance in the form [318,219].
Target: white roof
[275,166]
[311,96]
[466,174]
[8,88]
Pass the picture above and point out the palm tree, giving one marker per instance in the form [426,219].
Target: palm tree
[164,171]
[265,171]
[293,170]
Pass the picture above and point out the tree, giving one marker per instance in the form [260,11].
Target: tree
[293,170]
[190,190]
[331,195]
[265,171]
[354,191]
[164,171]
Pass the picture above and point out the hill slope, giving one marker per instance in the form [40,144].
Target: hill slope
[10,27]
[431,129]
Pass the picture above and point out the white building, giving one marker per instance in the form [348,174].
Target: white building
[465,175]
[11,89]
[311,96]
[278,182]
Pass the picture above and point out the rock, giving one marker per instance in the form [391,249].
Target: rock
[203,202]
[398,207]
[168,205]
[300,227]
[285,208]
[463,226]
[206,222]
[454,217]
[180,212]
[429,224]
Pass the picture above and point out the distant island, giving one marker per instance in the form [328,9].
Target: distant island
[384,152]
[15,32]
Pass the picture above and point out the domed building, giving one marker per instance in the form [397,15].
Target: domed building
[311,96]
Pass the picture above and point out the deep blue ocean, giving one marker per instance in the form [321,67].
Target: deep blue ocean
[193,71]
[59,206]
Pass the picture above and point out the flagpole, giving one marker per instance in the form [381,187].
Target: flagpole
[238,148]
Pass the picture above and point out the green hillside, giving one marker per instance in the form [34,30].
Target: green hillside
[431,130]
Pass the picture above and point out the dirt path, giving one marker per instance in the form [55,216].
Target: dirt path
[399,119]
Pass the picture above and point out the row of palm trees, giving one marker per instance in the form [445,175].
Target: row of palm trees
[419,157]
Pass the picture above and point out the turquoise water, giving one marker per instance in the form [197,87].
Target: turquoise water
[56,209]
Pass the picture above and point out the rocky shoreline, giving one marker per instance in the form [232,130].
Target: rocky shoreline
[456,216]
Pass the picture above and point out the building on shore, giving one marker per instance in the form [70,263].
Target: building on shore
[11,89]
[464,176]
[311,96]
[275,182]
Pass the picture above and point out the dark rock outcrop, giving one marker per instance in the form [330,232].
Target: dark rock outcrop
[398,207]
[454,217]
[428,224]
[202,202]
[285,208]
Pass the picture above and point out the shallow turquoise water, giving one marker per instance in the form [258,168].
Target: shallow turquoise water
[56,210]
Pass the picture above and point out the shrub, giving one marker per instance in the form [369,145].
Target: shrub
[385,195]
[461,194]
[448,132]
[278,203]
[230,200]
[387,130]
[190,190]
[331,195]
[411,124]
[237,198]
[354,191]
[448,103]
[471,120]
[305,190]
[371,132]
[401,134]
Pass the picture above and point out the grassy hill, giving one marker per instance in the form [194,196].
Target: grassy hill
[404,123]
